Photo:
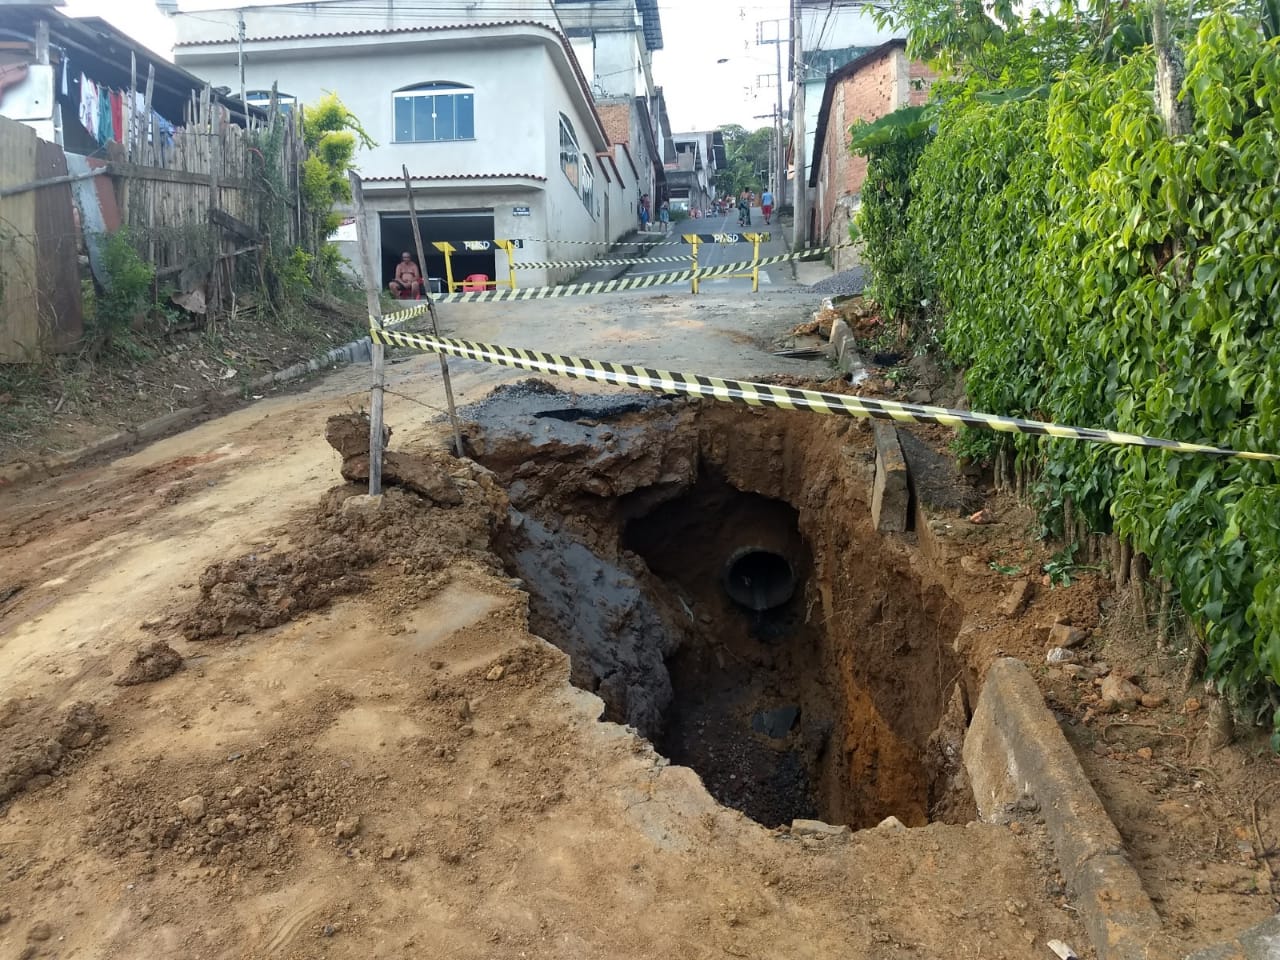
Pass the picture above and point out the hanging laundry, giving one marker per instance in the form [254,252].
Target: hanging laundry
[89,105]
[117,116]
[104,116]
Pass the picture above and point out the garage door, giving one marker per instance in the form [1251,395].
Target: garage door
[454,227]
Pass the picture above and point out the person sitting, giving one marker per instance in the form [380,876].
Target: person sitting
[408,282]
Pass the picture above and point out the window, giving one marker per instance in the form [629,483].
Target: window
[575,165]
[434,111]
[569,152]
[285,102]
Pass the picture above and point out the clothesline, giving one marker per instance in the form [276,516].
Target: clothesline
[109,114]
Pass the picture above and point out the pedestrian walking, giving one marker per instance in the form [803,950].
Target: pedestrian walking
[766,205]
[664,215]
[644,212]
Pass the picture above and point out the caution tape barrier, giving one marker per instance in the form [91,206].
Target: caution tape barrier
[622,261]
[786,398]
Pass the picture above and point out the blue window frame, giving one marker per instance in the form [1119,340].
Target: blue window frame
[429,112]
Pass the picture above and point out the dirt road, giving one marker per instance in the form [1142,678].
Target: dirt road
[405,772]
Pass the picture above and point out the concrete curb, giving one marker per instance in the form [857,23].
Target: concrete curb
[847,358]
[1015,750]
[357,351]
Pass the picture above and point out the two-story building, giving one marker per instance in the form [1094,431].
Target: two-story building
[485,103]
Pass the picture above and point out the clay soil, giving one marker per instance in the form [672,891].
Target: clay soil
[368,752]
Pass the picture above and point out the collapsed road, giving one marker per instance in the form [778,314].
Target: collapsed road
[250,712]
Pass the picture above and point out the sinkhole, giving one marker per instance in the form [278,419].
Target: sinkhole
[715,580]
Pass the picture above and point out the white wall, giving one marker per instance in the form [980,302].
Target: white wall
[617,64]
[845,27]
[508,107]
[333,16]
[567,215]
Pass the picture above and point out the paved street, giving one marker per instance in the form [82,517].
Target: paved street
[712,255]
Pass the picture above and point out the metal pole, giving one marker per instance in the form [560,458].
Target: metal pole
[431,309]
[800,233]
[780,194]
[372,291]
[240,58]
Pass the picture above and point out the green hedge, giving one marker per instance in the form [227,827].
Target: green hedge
[1090,269]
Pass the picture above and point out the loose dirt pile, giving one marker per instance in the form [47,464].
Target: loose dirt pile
[151,663]
[443,511]
[37,743]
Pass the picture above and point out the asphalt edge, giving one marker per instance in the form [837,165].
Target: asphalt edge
[356,351]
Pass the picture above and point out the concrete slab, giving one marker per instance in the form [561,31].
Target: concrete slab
[1014,754]
[890,496]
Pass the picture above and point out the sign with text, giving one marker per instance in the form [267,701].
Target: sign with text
[521,212]
[726,237]
[482,245]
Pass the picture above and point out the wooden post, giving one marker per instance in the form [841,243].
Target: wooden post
[431,309]
[42,41]
[372,291]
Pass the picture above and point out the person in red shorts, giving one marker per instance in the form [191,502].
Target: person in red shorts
[766,205]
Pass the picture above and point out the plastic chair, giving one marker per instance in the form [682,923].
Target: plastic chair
[476,283]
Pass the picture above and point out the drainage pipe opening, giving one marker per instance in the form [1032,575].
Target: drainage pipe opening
[759,579]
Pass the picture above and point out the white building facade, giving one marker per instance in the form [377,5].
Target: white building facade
[488,108]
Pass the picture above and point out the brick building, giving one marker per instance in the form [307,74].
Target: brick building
[877,83]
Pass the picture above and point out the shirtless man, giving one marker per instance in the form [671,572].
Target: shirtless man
[408,279]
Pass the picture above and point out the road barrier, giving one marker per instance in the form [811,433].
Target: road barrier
[786,398]
[478,246]
[752,270]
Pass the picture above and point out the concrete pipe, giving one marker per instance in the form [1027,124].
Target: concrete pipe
[758,578]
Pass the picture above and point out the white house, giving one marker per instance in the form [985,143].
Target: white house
[485,102]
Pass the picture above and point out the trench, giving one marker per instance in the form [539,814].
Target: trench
[714,579]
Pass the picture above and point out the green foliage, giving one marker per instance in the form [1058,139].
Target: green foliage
[127,291]
[747,154]
[1094,270]
[892,146]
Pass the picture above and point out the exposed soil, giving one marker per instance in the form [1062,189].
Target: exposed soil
[403,770]
[71,400]
[151,663]
[37,742]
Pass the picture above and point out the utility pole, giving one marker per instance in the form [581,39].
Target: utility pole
[240,58]
[780,166]
[800,234]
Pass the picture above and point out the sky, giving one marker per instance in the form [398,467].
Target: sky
[701,92]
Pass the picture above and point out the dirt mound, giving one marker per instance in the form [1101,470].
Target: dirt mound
[341,541]
[34,743]
[425,474]
[151,663]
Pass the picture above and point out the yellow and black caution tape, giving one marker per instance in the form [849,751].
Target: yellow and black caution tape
[786,398]
[625,283]
[621,261]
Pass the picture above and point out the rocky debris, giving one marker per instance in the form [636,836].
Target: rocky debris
[1061,655]
[846,283]
[348,433]
[891,823]
[983,516]
[426,475]
[40,932]
[34,743]
[151,663]
[347,828]
[819,830]
[1121,691]
[1016,600]
[423,475]
[1153,700]
[920,395]
[496,672]
[192,808]
[1065,635]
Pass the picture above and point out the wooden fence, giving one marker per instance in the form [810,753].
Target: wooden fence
[201,203]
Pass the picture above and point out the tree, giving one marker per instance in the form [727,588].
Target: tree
[748,155]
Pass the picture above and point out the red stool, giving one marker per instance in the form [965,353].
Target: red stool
[476,283]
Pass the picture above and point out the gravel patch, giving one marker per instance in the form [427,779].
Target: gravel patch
[843,284]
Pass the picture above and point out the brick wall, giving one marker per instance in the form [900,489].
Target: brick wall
[616,118]
[878,88]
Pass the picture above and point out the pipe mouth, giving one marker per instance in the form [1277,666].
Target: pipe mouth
[759,579]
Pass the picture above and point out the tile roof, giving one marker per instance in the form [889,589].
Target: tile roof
[460,176]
